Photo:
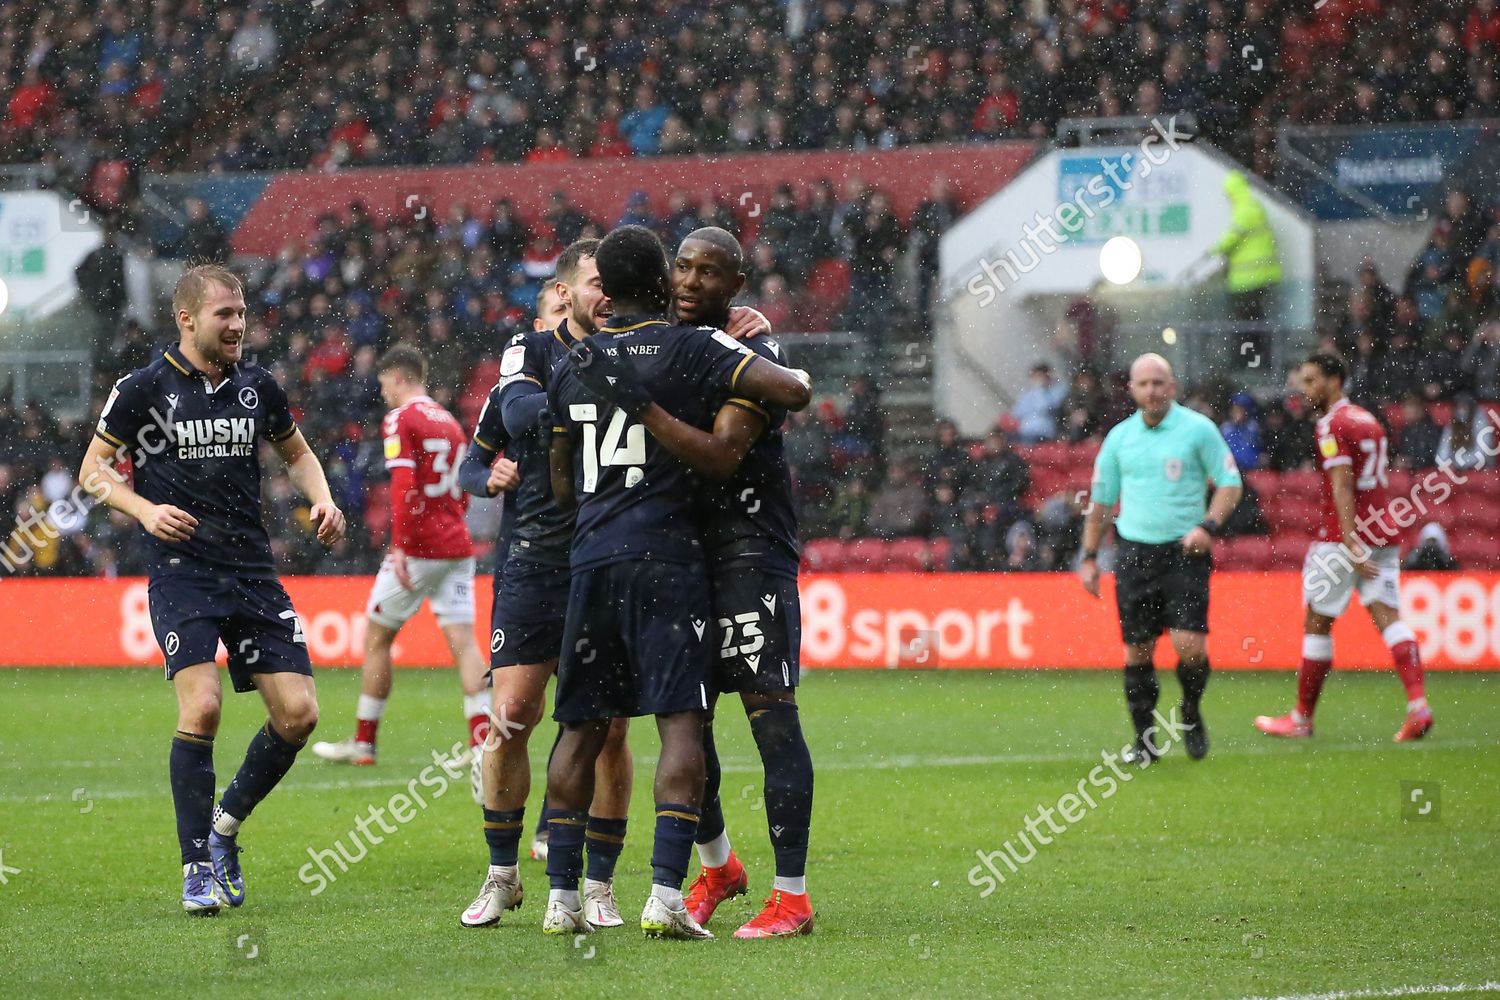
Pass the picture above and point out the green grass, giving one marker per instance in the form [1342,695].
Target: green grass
[1269,868]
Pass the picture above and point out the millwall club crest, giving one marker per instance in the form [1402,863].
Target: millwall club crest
[249,398]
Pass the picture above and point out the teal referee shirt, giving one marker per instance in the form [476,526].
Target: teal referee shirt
[1160,475]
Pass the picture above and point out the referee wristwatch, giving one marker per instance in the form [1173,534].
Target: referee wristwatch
[1211,526]
[1090,555]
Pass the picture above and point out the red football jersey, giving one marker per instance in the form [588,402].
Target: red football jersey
[424,447]
[1350,435]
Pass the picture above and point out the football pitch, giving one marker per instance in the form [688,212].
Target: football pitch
[1346,865]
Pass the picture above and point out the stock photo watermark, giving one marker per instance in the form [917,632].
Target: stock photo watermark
[1041,236]
[1107,777]
[403,806]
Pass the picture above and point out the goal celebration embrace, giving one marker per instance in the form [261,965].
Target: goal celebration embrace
[808,498]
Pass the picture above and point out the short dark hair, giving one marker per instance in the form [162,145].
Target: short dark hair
[1330,364]
[406,359]
[633,266]
[567,262]
[724,240]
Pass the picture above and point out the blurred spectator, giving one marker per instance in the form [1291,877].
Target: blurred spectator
[900,508]
[202,238]
[1036,408]
[1431,552]
[1084,406]
[849,512]
[864,421]
[1481,362]
[1242,431]
[1420,436]
[999,477]
[1021,554]
[1459,446]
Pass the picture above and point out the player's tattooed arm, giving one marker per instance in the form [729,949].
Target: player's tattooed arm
[717,455]
[306,473]
[99,477]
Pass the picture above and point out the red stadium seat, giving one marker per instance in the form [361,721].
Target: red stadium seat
[1248,553]
[1395,417]
[865,555]
[1051,455]
[939,550]
[1288,549]
[1398,482]
[1308,482]
[1292,512]
[1441,413]
[823,555]
[1475,552]
[1264,481]
[908,555]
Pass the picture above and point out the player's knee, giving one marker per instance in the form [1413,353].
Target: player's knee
[515,715]
[200,714]
[617,739]
[297,721]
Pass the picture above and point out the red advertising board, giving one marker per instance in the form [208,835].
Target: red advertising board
[943,620]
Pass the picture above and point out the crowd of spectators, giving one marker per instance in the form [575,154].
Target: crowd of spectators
[459,81]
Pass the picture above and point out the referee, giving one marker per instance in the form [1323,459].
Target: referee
[1157,465]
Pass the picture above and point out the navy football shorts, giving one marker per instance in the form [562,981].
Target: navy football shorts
[254,618]
[759,619]
[526,625]
[639,641]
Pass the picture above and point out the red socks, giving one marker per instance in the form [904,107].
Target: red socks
[364,730]
[1317,661]
[1407,659]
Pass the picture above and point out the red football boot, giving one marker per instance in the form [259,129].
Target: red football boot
[713,886]
[785,915]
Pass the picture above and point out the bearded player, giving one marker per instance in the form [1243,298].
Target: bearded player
[1355,549]
[531,594]
[431,556]
[191,422]
[748,527]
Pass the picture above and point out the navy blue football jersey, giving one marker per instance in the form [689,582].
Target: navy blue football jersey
[751,519]
[488,442]
[195,446]
[541,531]
[635,499]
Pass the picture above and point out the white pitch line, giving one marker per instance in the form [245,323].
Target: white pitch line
[901,762]
[1395,991]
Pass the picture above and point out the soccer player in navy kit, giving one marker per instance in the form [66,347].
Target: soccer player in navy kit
[637,639]
[191,422]
[748,525]
[531,597]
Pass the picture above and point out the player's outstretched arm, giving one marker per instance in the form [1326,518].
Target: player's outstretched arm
[307,475]
[99,477]
[1096,521]
[717,455]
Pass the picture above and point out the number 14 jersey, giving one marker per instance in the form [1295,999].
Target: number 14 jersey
[635,499]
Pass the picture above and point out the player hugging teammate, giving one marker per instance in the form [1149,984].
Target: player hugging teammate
[637,639]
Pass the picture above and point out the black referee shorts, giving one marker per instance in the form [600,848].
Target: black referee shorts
[1159,588]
